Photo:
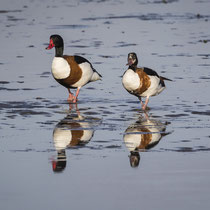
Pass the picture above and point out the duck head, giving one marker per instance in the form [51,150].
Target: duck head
[57,42]
[132,60]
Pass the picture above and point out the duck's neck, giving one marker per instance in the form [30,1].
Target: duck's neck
[133,67]
[59,52]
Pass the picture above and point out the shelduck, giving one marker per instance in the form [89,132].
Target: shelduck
[70,71]
[142,82]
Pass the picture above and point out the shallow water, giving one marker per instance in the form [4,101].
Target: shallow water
[42,169]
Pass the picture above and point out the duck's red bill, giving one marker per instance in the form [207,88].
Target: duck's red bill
[51,45]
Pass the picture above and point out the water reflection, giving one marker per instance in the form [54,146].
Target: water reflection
[74,131]
[143,135]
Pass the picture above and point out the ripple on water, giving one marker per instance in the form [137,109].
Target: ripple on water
[9,89]
[205,78]
[25,109]
[188,149]
[4,82]
[207,113]
[124,44]
[73,26]
[45,74]
[152,17]
[9,11]
[176,115]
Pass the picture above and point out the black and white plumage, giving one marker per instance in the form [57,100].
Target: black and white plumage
[71,71]
[142,82]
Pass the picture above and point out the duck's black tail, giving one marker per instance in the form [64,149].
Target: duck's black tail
[164,78]
[97,73]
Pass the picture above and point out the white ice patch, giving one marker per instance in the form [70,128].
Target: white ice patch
[60,68]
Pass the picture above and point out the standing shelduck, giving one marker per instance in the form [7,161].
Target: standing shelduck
[142,82]
[71,71]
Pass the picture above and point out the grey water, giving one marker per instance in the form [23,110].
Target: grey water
[104,152]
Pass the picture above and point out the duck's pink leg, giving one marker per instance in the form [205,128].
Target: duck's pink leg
[76,95]
[70,106]
[144,106]
[71,96]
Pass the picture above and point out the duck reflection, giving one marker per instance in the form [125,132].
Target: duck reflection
[143,135]
[72,131]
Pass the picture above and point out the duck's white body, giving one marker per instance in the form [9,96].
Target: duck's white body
[61,69]
[130,80]
[136,85]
